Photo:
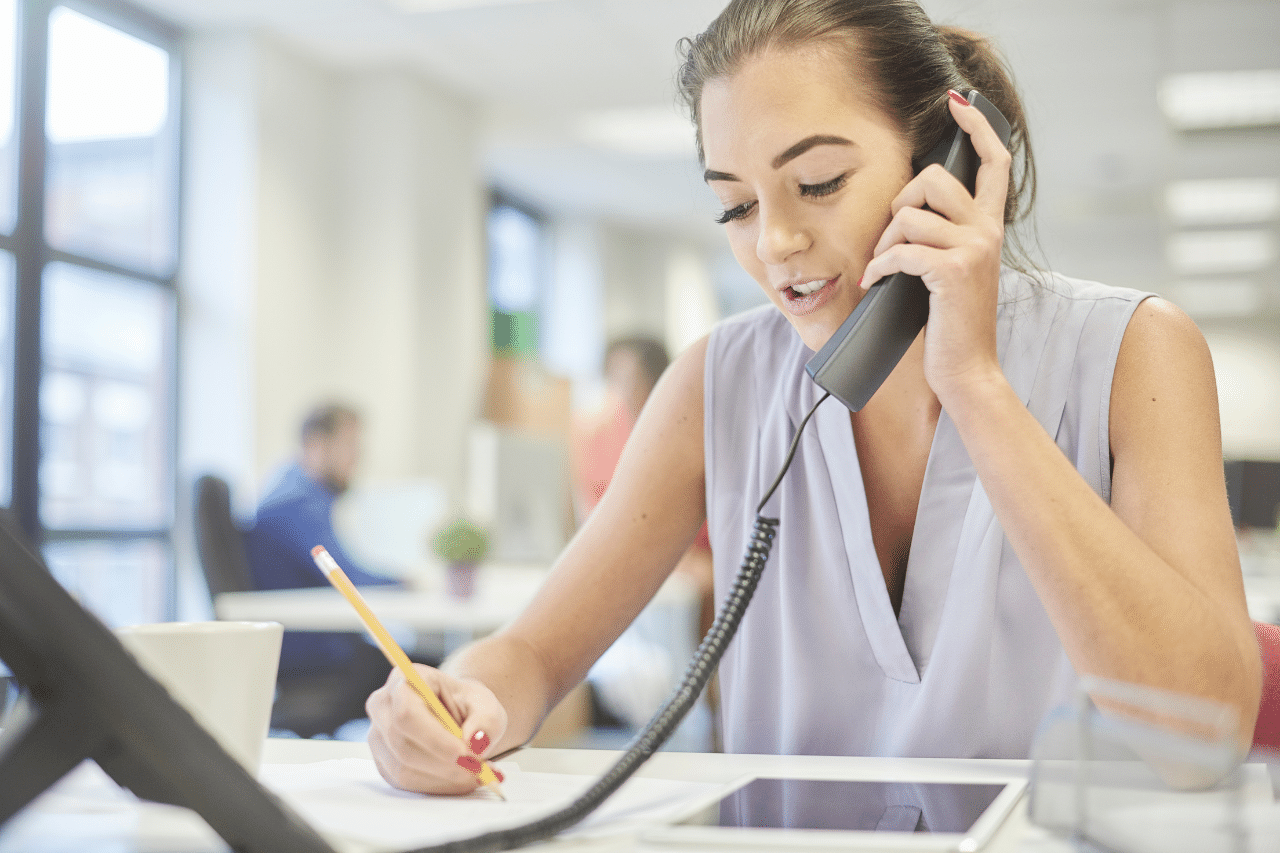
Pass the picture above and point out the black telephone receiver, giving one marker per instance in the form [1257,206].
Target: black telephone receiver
[870,343]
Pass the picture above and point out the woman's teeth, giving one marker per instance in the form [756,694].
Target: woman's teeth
[809,287]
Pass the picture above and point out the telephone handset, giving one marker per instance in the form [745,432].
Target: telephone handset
[870,343]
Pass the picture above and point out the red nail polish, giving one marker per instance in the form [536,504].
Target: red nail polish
[479,742]
[498,774]
[957,97]
[860,281]
[469,764]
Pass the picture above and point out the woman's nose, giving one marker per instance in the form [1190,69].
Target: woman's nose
[781,236]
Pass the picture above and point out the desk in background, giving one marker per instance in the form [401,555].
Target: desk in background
[431,621]
[502,591]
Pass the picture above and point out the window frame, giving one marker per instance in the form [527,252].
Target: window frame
[32,254]
[502,323]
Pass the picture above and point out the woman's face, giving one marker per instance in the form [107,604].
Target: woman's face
[806,168]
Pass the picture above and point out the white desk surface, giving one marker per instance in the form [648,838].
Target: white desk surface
[1017,833]
[97,829]
[501,592]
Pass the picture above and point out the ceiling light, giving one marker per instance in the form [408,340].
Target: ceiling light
[1231,297]
[1229,202]
[416,6]
[643,132]
[1221,99]
[1209,252]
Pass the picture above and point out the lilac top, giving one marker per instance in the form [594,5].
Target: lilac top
[821,665]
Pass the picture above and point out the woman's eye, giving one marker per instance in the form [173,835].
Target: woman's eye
[735,212]
[826,188]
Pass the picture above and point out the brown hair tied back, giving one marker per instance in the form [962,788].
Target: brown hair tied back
[985,70]
[910,64]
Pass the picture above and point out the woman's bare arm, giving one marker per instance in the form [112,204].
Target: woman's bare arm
[1148,589]
[505,685]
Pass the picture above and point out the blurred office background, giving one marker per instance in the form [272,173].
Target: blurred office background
[214,214]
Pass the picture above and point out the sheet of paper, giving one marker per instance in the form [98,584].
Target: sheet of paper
[346,800]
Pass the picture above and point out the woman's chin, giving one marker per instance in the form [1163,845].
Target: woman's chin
[815,335]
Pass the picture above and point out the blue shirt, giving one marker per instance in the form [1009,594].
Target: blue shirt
[295,516]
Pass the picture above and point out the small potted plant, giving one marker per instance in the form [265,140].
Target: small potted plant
[461,545]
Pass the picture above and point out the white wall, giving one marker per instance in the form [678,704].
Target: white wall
[1246,363]
[609,280]
[332,248]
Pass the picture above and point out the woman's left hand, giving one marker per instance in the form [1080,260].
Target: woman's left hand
[954,246]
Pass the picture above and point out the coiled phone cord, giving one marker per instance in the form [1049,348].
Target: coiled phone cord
[664,722]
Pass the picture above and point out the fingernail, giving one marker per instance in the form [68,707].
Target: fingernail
[469,764]
[498,774]
[957,97]
[479,742]
[860,281]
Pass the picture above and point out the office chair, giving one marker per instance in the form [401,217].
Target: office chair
[1266,734]
[219,542]
[304,703]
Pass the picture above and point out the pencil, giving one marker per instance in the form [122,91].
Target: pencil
[396,655]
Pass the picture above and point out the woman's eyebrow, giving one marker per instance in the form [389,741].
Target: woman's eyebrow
[805,144]
[786,156]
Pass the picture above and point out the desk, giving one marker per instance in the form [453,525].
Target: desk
[1016,833]
[429,618]
[502,591]
[98,830]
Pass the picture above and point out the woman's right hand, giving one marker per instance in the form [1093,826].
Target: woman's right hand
[414,751]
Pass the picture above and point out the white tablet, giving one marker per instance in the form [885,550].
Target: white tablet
[847,813]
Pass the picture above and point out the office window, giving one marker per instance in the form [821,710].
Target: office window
[93,248]
[105,418]
[110,166]
[517,272]
[8,116]
[6,374]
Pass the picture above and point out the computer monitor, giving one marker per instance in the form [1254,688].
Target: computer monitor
[84,696]
[1253,490]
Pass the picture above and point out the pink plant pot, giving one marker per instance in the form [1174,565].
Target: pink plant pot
[460,579]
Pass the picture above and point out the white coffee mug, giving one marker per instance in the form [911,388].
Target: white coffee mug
[224,673]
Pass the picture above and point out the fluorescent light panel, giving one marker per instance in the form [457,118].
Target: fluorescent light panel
[1243,201]
[1215,252]
[642,132]
[1221,99]
[1228,297]
[417,6]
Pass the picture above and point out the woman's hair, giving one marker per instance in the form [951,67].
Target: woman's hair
[650,352]
[911,63]
[326,419]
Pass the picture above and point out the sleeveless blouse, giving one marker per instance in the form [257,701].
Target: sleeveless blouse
[821,665]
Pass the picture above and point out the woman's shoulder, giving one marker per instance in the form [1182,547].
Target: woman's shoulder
[1047,312]
[1018,288]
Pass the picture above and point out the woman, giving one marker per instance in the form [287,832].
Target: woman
[1035,492]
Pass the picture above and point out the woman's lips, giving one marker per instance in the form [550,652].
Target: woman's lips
[800,305]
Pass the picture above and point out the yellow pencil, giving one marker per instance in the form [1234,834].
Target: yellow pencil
[396,655]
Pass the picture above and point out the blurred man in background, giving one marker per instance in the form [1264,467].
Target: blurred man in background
[296,515]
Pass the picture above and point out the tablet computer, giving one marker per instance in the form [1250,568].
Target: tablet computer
[797,813]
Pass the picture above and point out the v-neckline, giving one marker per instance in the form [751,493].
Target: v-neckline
[883,626]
